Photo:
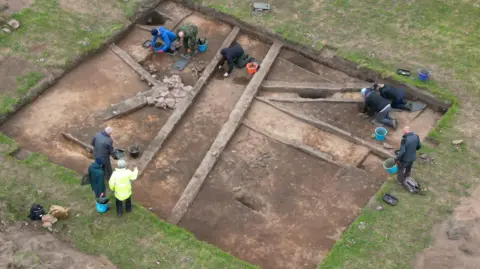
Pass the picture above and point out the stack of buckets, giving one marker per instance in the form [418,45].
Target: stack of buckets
[389,164]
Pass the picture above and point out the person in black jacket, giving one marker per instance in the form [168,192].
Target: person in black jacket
[103,148]
[393,94]
[230,55]
[407,154]
[379,105]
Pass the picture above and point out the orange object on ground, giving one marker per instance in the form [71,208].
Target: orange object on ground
[252,68]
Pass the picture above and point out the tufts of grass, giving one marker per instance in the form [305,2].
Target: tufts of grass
[27,81]
[137,240]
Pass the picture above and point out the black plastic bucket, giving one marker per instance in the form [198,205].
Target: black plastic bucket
[134,151]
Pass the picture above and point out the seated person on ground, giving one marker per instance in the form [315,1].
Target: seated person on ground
[167,37]
[187,37]
[379,105]
[395,95]
[231,55]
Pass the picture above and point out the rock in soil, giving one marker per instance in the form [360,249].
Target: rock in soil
[159,100]
[6,30]
[457,142]
[14,23]
[170,102]
[150,101]
[237,189]
[187,88]
[161,105]
[178,93]
[387,146]
[142,78]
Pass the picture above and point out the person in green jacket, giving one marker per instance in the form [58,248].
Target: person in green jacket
[187,35]
[122,187]
[96,176]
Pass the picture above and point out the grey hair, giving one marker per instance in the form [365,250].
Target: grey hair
[108,130]
[121,164]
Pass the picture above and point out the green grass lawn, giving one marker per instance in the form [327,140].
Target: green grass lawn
[442,36]
[137,240]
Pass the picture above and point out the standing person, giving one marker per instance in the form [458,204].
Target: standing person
[187,35]
[407,154]
[122,187]
[395,95]
[379,105]
[97,177]
[230,55]
[103,148]
[168,39]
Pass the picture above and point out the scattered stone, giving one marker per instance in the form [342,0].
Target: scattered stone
[154,76]
[187,88]
[457,142]
[142,78]
[6,30]
[149,84]
[237,189]
[178,93]
[160,100]
[170,102]
[362,225]
[161,105]
[150,208]
[379,208]
[14,23]
[85,28]
[425,159]
[164,94]
[41,60]
[150,101]
[387,146]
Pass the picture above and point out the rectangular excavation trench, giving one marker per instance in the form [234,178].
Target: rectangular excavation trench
[264,201]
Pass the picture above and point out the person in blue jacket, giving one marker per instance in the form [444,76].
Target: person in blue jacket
[168,39]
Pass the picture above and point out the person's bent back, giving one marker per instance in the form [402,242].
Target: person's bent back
[230,55]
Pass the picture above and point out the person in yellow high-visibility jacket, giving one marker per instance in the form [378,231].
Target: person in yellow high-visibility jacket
[122,187]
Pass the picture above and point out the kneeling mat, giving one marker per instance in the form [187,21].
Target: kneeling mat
[416,105]
[180,64]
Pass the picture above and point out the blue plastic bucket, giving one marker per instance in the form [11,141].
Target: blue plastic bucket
[390,166]
[101,208]
[202,48]
[423,75]
[380,133]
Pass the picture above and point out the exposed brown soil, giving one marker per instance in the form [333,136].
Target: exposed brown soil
[72,105]
[346,116]
[290,209]
[168,174]
[28,249]
[457,240]
[16,5]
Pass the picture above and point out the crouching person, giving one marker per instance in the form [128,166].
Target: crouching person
[122,187]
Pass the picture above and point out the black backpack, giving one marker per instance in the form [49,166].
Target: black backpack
[36,212]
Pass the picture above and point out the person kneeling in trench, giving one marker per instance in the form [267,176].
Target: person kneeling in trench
[393,94]
[379,105]
[187,38]
[122,187]
[230,55]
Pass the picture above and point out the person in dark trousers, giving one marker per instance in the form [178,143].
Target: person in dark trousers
[121,185]
[168,38]
[393,94]
[103,148]
[407,154]
[97,178]
[379,105]
[230,55]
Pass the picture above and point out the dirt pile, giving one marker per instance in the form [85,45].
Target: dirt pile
[457,240]
[169,94]
[27,249]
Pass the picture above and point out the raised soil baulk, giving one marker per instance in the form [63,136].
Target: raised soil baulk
[345,116]
[71,106]
[290,208]
[170,171]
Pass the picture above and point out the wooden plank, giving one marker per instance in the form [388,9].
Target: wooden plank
[181,109]
[133,64]
[330,128]
[311,87]
[314,100]
[224,136]
[125,107]
[292,143]
[78,142]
